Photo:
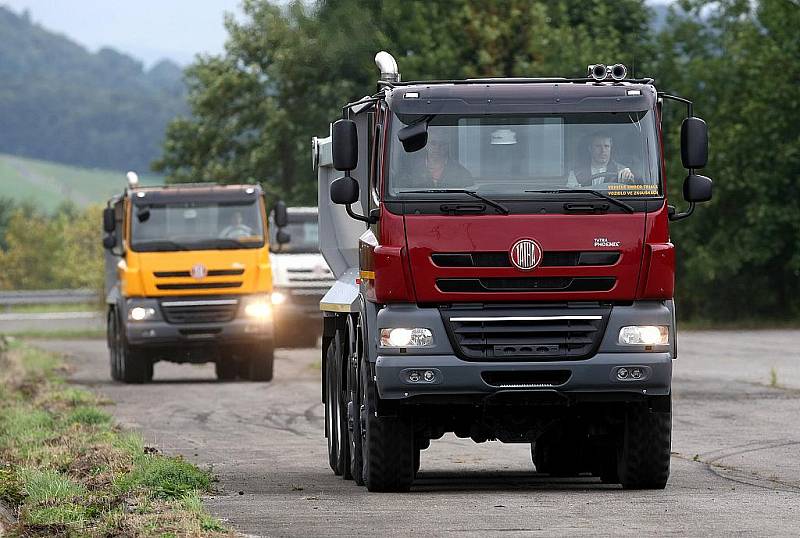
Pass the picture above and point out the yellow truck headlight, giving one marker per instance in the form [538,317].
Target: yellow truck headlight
[141,313]
[258,307]
[278,297]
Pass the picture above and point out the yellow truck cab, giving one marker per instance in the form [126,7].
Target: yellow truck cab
[188,279]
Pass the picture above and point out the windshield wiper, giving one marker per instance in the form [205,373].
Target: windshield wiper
[158,245]
[497,205]
[628,208]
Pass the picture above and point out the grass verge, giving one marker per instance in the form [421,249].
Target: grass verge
[53,308]
[60,334]
[67,470]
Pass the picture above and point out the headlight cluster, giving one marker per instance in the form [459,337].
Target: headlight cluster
[278,297]
[644,335]
[258,307]
[401,337]
[141,313]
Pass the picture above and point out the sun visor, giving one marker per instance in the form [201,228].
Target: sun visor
[211,195]
[520,98]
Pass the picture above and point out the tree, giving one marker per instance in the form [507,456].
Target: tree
[739,256]
[288,70]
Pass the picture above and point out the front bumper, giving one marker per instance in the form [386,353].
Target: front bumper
[458,377]
[455,374]
[161,333]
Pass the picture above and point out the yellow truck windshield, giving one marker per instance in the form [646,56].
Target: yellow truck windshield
[196,226]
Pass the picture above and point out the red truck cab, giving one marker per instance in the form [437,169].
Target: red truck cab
[515,279]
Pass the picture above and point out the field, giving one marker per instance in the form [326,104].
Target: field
[47,184]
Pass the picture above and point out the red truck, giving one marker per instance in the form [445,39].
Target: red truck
[504,272]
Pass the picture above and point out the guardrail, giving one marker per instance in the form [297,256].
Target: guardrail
[44,297]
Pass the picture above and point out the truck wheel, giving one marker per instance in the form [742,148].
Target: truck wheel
[355,356]
[387,443]
[134,366]
[111,340]
[338,453]
[260,361]
[554,458]
[416,461]
[644,456]
[226,369]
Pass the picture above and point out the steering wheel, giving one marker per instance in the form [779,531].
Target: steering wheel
[613,176]
[240,230]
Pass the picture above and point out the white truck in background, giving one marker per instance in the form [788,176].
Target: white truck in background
[300,277]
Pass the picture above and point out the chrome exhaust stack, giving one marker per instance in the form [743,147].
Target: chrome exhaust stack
[387,66]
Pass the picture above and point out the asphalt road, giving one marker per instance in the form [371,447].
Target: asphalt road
[735,465]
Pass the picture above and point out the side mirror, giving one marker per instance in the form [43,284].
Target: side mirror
[694,143]
[109,241]
[280,216]
[697,188]
[282,237]
[414,137]
[344,191]
[109,221]
[345,145]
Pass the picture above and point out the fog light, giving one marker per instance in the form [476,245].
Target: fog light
[644,335]
[636,373]
[141,313]
[413,376]
[278,298]
[622,373]
[428,375]
[401,337]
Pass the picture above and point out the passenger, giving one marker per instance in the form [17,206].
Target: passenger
[441,170]
[599,168]
[237,228]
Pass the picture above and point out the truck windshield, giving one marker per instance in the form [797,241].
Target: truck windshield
[515,156]
[303,230]
[196,226]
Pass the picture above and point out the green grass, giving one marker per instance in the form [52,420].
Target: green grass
[68,470]
[47,184]
[60,334]
[50,308]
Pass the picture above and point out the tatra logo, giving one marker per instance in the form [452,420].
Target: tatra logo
[526,254]
[604,242]
[199,271]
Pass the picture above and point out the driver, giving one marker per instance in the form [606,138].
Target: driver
[440,169]
[600,168]
[237,228]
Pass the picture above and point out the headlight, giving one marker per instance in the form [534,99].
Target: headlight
[259,310]
[278,298]
[399,337]
[141,313]
[644,335]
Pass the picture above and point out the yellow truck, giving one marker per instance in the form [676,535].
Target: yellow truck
[188,279]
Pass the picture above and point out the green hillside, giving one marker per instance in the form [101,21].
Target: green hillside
[48,184]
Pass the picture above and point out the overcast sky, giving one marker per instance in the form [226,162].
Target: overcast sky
[146,29]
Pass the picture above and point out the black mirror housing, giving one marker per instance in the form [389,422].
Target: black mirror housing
[280,215]
[694,143]
[283,237]
[109,220]
[414,137]
[109,241]
[345,145]
[697,188]
[344,191]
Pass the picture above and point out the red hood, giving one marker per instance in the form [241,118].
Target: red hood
[492,277]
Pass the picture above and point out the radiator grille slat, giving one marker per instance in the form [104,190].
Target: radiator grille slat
[200,313]
[514,334]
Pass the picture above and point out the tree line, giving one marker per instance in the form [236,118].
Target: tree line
[288,68]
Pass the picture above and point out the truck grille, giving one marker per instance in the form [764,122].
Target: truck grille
[200,310]
[309,275]
[549,259]
[543,284]
[537,334]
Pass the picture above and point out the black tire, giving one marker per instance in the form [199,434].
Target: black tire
[645,449]
[336,412]
[388,443]
[226,369]
[355,357]
[259,363]
[417,460]
[554,458]
[134,366]
[111,341]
